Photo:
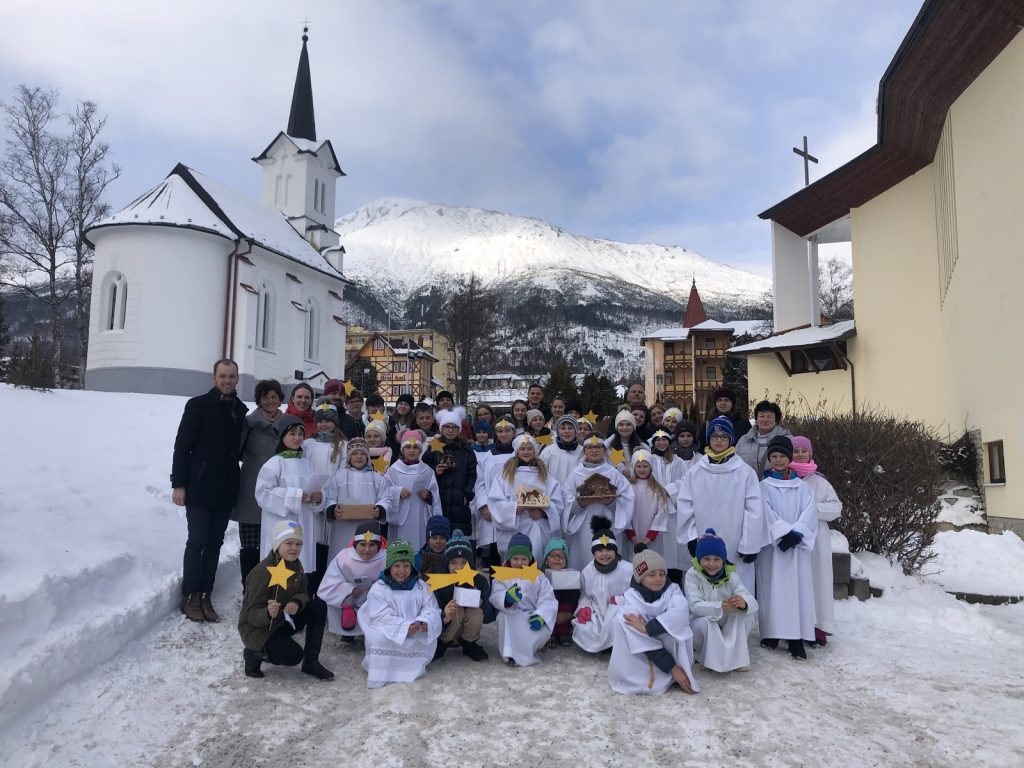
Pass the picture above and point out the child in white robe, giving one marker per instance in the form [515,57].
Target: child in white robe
[785,581]
[488,465]
[829,509]
[565,454]
[325,450]
[578,512]
[355,483]
[603,584]
[417,497]
[526,609]
[669,470]
[349,576]
[721,609]
[650,505]
[400,622]
[653,645]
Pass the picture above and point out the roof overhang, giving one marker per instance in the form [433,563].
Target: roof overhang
[799,338]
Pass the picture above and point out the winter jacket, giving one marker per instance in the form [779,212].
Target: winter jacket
[254,623]
[445,595]
[206,450]
[456,484]
[755,452]
[259,441]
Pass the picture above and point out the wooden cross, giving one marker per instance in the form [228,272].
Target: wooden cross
[807,157]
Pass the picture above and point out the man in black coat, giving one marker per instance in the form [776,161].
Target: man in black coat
[204,480]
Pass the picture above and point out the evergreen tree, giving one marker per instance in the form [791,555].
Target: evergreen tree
[734,374]
[560,383]
[598,395]
[34,368]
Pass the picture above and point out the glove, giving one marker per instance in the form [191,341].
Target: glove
[748,559]
[692,546]
[513,595]
[583,615]
[536,622]
[790,540]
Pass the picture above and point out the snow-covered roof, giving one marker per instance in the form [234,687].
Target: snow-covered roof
[188,199]
[303,145]
[811,336]
[738,328]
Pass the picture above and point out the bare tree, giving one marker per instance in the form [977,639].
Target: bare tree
[468,319]
[835,289]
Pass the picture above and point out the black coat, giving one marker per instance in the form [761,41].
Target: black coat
[456,484]
[206,450]
[740,427]
[445,595]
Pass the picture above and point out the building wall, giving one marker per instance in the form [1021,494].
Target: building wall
[801,393]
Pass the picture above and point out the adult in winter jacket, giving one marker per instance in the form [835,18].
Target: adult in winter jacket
[204,480]
[455,468]
[725,405]
[753,446]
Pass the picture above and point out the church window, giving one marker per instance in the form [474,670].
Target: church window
[995,462]
[316,194]
[947,236]
[265,318]
[116,297]
[311,343]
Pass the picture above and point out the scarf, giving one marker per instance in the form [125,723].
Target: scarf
[718,458]
[324,437]
[649,595]
[570,446]
[500,449]
[786,475]
[290,454]
[478,448]
[606,569]
[400,586]
[803,470]
[686,454]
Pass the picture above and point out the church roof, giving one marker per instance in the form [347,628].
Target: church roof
[301,123]
[695,313]
[736,327]
[190,200]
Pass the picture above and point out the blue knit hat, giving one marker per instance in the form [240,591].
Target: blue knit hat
[723,425]
[483,426]
[552,545]
[710,544]
[438,525]
[519,544]
[458,546]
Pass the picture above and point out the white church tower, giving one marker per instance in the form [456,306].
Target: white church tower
[192,271]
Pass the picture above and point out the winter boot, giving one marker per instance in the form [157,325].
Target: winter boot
[194,608]
[252,660]
[473,650]
[440,650]
[208,612]
[820,637]
[311,655]
[796,649]
[770,643]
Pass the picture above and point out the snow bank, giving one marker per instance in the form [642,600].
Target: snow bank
[972,561]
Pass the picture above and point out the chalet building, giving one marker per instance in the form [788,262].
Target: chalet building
[402,366]
[428,339]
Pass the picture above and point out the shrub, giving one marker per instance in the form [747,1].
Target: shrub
[887,472]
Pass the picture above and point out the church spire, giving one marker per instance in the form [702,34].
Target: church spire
[695,314]
[301,124]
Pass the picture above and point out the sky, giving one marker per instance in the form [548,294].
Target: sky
[639,121]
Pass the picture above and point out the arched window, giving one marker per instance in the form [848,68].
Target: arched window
[265,318]
[115,298]
[312,340]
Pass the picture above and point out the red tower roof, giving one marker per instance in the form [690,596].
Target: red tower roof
[695,313]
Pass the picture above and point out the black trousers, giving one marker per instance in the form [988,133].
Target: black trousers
[280,647]
[206,528]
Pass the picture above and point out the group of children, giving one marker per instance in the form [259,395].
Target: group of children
[703,534]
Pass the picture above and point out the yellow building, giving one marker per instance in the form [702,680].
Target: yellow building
[428,339]
[933,214]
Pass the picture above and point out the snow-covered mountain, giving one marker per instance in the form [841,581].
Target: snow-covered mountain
[583,298]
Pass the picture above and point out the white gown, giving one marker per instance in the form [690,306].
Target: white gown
[356,486]
[829,508]
[487,464]
[346,571]
[319,456]
[577,519]
[719,638]
[279,494]
[561,463]
[516,640]
[597,590]
[630,671]
[502,501]
[785,582]
[670,475]
[650,513]
[725,497]
[391,655]
[407,518]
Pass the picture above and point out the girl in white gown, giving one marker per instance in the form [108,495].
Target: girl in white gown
[603,584]
[526,608]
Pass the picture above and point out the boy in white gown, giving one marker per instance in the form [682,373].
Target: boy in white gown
[526,608]
[565,453]
[417,497]
[400,622]
[722,610]
[349,576]
[488,465]
[578,512]
[603,585]
[355,483]
[653,646]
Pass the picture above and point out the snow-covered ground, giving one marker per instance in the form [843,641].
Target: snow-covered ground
[972,561]
[101,669]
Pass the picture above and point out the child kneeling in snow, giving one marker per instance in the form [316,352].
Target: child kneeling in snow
[400,622]
[603,583]
[526,609]
[653,645]
[461,623]
[567,592]
[722,608]
[271,615]
[349,577]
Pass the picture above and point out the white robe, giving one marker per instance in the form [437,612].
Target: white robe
[407,518]
[630,671]
[391,655]
[670,475]
[355,486]
[650,513]
[597,591]
[725,497]
[785,583]
[502,501]
[319,456]
[719,638]
[279,494]
[487,464]
[516,640]
[577,519]
[829,508]
[561,463]
[346,572]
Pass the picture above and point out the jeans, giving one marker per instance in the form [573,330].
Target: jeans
[202,549]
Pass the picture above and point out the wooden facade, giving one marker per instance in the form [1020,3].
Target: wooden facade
[401,365]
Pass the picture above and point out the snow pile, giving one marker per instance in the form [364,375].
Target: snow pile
[983,563]
[960,510]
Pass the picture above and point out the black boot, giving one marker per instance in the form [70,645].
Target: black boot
[473,650]
[796,649]
[770,642]
[311,654]
[248,558]
[440,649]
[252,660]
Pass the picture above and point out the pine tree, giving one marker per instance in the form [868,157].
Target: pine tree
[598,395]
[560,383]
[33,369]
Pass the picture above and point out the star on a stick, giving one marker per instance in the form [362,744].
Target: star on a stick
[464,575]
[279,575]
[380,465]
[349,387]
[436,444]
[503,573]
[617,456]
[592,417]
[543,439]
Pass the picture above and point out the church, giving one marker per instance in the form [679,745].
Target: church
[192,271]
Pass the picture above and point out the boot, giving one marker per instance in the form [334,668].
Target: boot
[770,642]
[207,606]
[252,660]
[311,656]
[473,650]
[440,650]
[796,649]
[820,637]
[194,608]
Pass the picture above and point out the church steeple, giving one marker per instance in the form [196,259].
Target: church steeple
[695,314]
[301,123]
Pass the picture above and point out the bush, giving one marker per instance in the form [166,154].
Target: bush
[887,472]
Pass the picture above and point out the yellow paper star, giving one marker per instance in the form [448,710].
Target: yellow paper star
[464,575]
[605,541]
[279,575]
[543,439]
[368,536]
[592,417]
[379,416]
[380,465]
[503,573]
[617,456]
[349,387]
[436,444]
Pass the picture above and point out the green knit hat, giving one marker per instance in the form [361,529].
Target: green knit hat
[398,550]
[519,544]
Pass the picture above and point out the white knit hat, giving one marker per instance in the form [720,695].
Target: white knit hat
[285,529]
[448,417]
[625,415]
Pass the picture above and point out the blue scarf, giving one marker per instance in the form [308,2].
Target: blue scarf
[399,586]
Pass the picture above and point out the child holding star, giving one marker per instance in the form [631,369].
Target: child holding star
[355,483]
[276,605]
[603,582]
[526,605]
[579,511]
[349,576]
[400,622]
[417,494]
[460,624]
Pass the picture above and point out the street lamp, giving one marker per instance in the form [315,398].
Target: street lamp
[414,356]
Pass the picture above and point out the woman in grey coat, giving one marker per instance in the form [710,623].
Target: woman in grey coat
[753,446]
[260,437]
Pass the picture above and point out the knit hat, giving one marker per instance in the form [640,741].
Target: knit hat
[448,417]
[556,544]
[438,525]
[405,398]
[368,531]
[780,444]
[326,412]
[524,438]
[458,546]
[673,413]
[377,426]
[573,406]
[358,444]
[284,423]
[519,544]
[398,550]
[803,442]
[532,414]
[604,538]
[625,415]
[645,561]
[725,392]
[639,456]
[444,393]
[711,544]
[412,437]
[722,425]
[285,529]
[482,426]
[333,385]
[567,419]
[688,426]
